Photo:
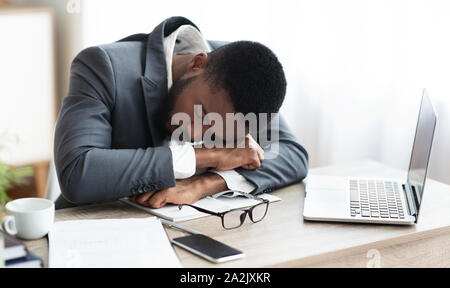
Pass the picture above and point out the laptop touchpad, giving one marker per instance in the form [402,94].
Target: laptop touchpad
[329,195]
[326,203]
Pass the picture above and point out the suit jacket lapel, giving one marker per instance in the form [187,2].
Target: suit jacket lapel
[154,80]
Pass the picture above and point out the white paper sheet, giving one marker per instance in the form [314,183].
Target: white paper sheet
[220,204]
[110,243]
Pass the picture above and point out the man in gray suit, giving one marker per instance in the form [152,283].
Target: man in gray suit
[113,130]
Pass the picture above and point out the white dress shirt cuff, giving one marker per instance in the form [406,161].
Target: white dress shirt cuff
[236,181]
[183,158]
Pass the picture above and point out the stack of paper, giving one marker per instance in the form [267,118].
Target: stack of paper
[220,204]
[110,243]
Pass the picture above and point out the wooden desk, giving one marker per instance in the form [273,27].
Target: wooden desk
[283,239]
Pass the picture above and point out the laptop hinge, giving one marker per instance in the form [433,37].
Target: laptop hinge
[410,201]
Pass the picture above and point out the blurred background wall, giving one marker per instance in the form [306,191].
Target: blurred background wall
[355,68]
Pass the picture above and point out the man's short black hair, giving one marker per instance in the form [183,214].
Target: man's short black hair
[250,73]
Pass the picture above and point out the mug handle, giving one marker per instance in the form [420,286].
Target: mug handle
[9,225]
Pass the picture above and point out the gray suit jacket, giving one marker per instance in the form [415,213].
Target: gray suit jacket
[107,144]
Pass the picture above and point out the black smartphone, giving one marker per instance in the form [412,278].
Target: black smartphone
[208,248]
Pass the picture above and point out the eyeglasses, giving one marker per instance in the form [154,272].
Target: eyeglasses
[234,218]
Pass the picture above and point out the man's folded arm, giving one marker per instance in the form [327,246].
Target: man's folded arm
[88,169]
[289,166]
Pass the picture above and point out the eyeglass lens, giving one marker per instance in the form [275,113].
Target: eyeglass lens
[233,219]
[236,218]
[258,212]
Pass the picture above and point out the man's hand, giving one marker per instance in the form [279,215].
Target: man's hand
[186,191]
[222,159]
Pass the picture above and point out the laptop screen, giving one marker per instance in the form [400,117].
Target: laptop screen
[421,148]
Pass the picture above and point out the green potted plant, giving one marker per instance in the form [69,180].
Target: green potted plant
[10,176]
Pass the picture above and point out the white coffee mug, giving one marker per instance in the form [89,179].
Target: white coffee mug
[29,218]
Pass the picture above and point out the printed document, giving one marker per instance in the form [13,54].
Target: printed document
[110,243]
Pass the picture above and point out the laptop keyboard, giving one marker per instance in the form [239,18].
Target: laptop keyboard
[375,199]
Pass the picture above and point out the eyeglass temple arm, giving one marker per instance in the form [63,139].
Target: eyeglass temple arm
[251,196]
[248,195]
[199,209]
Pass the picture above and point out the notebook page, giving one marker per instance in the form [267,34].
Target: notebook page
[220,204]
[110,243]
[172,213]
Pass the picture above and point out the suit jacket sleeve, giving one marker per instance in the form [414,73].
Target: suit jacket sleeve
[88,169]
[288,167]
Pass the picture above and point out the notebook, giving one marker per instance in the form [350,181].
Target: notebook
[220,204]
[104,243]
[13,247]
[29,261]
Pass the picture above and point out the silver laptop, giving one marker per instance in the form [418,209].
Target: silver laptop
[372,200]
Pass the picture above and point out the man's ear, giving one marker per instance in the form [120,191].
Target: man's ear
[198,62]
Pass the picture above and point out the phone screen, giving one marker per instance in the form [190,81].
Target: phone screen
[208,248]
